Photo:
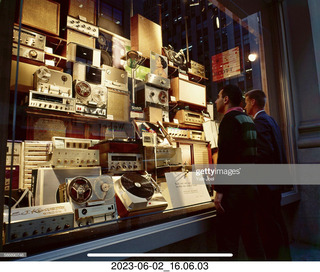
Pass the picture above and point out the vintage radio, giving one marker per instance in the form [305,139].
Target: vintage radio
[189,117]
[197,69]
[136,194]
[84,9]
[87,73]
[50,81]
[32,221]
[145,36]
[51,102]
[118,105]
[121,162]
[29,38]
[150,96]
[35,155]
[73,36]
[158,81]
[196,135]
[80,53]
[28,52]
[115,78]
[188,91]
[82,27]
[90,98]
[43,15]
[72,152]
[46,181]
[92,199]
[178,132]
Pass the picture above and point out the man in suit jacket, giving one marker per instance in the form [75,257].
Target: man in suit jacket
[270,150]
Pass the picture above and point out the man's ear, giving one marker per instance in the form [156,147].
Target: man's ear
[253,101]
[226,99]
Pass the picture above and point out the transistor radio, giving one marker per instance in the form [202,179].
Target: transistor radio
[54,82]
[92,199]
[29,38]
[80,53]
[51,102]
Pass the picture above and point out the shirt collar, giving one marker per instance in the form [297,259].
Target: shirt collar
[254,117]
[234,109]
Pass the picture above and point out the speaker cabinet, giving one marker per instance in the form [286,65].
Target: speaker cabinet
[188,91]
[118,105]
[145,36]
[43,15]
[83,8]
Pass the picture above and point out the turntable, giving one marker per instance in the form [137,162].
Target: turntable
[92,199]
[137,194]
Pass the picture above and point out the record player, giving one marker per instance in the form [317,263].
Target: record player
[137,194]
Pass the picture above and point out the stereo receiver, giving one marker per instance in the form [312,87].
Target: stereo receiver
[121,162]
[189,117]
[51,102]
[29,38]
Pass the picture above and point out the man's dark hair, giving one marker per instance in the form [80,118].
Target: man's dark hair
[234,93]
[259,96]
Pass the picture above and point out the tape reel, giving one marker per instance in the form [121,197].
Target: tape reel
[163,97]
[79,190]
[83,190]
[100,96]
[83,91]
[178,59]
[43,74]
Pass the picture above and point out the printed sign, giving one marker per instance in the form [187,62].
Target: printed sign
[226,64]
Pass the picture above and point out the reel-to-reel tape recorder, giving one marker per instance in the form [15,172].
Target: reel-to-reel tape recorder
[92,199]
[90,98]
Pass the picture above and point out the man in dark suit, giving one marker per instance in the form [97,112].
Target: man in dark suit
[270,150]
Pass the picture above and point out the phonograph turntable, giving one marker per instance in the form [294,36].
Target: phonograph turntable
[137,194]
